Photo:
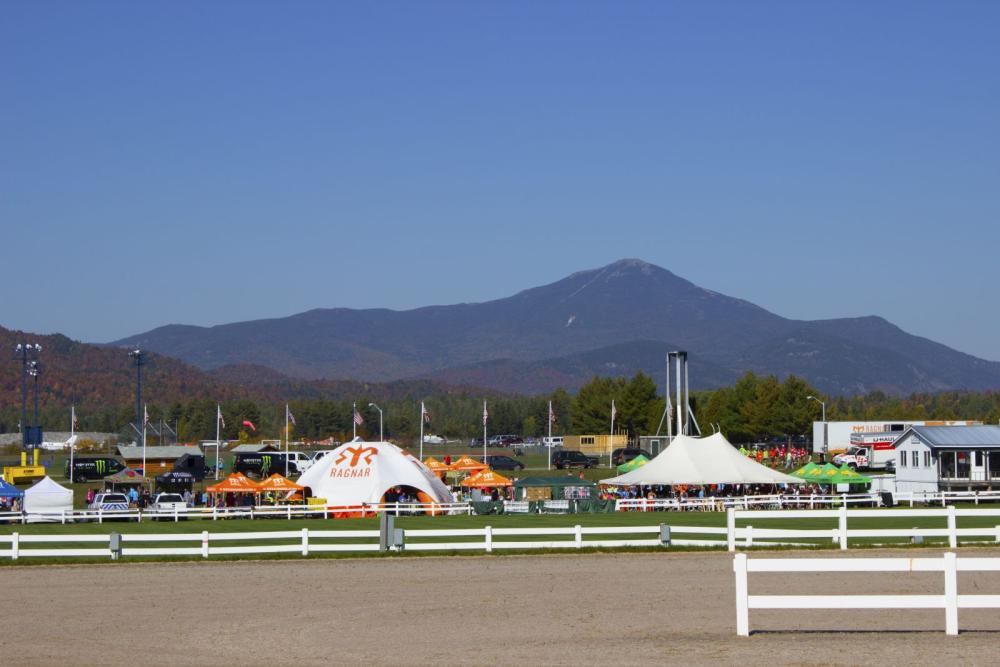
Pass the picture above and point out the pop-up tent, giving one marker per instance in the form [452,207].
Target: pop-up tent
[277,483]
[486,479]
[9,490]
[237,482]
[360,472]
[806,470]
[467,463]
[698,461]
[47,497]
[637,462]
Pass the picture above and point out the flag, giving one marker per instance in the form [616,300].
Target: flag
[291,417]
[218,415]
[73,412]
[614,411]
[426,416]
[249,425]
[486,413]
[358,419]
[145,415]
[552,414]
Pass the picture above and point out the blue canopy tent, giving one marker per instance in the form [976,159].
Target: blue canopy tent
[9,491]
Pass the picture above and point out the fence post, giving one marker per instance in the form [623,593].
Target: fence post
[100,515]
[731,528]
[64,517]
[488,534]
[15,543]
[977,497]
[204,544]
[952,532]
[175,514]
[742,601]
[305,541]
[579,536]
[843,527]
[950,594]
[749,537]
[997,538]
[289,512]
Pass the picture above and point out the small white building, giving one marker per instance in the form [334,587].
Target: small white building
[948,458]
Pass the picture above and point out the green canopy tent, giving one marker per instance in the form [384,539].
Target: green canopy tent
[847,475]
[806,470]
[629,466]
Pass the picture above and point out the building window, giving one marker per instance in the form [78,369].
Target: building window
[902,459]
[927,459]
[587,440]
[979,458]
[916,459]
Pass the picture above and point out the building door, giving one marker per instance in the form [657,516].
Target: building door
[963,465]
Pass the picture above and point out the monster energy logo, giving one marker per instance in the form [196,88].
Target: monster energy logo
[102,466]
[265,465]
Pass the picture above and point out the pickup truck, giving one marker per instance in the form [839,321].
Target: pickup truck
[110,502]
[168,502]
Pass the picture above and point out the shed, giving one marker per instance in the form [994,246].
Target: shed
[158,459]
[948,458]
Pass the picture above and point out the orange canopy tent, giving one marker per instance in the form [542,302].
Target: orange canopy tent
[277,483]
[434,464]
[235,483]
[486,478]
[467,463]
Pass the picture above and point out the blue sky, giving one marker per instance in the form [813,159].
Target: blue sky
[207,162]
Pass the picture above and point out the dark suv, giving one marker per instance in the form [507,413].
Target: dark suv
[504,463]
[626,454]
[573,459]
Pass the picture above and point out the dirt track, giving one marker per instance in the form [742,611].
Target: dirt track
[639,608]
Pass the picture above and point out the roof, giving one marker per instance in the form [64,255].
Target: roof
[554,482]
[133,453]
[253,449]
[957,436]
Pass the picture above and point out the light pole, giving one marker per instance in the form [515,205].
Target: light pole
[822,405]
[381,438]
[27,354]
[138,358]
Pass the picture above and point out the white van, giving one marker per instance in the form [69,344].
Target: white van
[554,441]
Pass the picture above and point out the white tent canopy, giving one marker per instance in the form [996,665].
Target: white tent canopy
[47,497]
[696,461]
[361,472]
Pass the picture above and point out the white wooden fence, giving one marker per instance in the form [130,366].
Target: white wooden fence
[306,541]
[722,503]
[950,601]
[842,533]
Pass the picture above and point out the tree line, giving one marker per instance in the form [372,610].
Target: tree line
[753,409]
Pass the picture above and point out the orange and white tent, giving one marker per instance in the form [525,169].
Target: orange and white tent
[235,483]
[361,472]
[277,483]
[467,463]
[435,465]
[486,478]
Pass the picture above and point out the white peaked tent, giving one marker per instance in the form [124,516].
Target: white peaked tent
[361,472]
[47,497]
[696,461]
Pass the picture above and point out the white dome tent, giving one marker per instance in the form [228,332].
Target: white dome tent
[699,461]
[359,472]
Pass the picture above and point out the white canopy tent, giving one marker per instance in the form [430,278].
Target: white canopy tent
[360,472]
[47,497]
[697,461]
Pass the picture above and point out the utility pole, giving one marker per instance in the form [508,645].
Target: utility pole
[27,354]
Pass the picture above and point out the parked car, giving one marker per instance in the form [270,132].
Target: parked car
[167,503]
[554,441]
[110,502]
[626,454]
[95,467]
[503,463]
[573,459]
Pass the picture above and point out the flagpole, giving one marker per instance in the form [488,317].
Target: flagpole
[72,432]
[218,437]
[484,431]
[550,435]
[145,418]
[421,430]
[611,442]
[354,419]
[286,439]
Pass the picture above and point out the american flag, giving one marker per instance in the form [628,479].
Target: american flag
[145,415]
[358,419]
[614,411]
[486,414]
[552,414]
[291,417]
[218,415]
[426,416]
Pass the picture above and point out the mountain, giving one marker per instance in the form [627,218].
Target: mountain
[622,317]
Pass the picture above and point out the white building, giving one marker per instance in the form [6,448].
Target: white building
[948,458]
[834,437]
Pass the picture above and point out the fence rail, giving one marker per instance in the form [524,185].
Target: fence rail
[950,601]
